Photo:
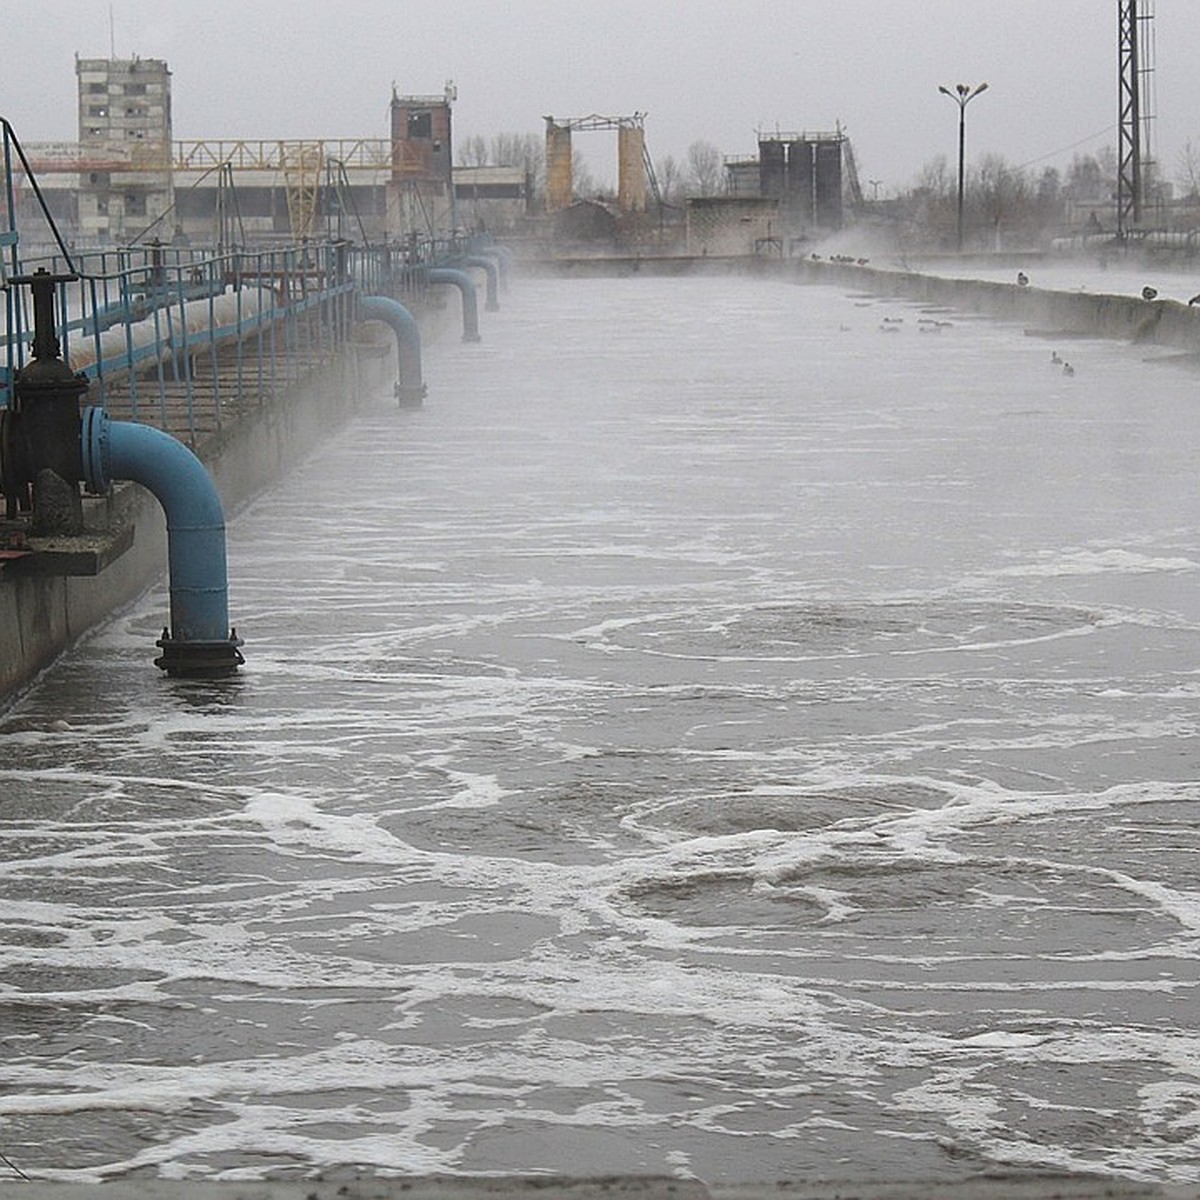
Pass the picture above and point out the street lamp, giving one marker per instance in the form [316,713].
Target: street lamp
[963,93]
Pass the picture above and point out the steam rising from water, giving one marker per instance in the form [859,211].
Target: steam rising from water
[705,739]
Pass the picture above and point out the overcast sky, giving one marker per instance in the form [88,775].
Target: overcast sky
[716,70]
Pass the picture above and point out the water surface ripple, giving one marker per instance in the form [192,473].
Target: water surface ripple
[711,737]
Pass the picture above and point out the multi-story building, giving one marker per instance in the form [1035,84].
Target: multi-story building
[124,146]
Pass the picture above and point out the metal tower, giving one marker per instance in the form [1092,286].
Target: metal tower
[1134,67]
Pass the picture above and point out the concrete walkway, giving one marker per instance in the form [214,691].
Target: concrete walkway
[340,1186]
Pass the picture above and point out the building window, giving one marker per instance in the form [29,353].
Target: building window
[420,125]
[96,89]
[135,89]
[135,206]
[98,110]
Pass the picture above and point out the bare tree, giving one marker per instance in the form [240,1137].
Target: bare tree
[934,179]
[584,181]
[1187,165]
[705,168]
[670,178]
[473,152]
[524,150]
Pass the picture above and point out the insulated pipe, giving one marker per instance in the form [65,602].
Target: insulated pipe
[410,390]
[470,303]
[237,314]
[492,303]
[200,641]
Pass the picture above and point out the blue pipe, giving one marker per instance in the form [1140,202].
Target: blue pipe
[470,302]
[492,304]
[200,641]
[504,258]
[410,390]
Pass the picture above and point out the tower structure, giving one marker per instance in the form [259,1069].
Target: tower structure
[421,194]
[632,159]
[803,171]
[124,145]
[1134,108]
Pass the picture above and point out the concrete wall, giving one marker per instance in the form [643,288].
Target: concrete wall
[729,225]
[1126,318]
[42,615]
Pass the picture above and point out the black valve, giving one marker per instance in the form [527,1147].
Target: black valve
[40,467]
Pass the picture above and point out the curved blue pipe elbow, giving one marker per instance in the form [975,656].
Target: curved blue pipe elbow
[492,301]
[470,301]
[505,261]
[200,641]
[410,390]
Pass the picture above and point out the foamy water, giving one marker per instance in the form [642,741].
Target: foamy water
[711,737]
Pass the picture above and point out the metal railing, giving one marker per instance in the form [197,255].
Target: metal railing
[185,337]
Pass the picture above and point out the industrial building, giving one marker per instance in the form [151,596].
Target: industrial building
[792,191]
[127,180]
[124,162]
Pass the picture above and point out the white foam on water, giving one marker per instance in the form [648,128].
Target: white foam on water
[736,765]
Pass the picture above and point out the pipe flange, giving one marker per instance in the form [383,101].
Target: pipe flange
[199,660]
[93,450]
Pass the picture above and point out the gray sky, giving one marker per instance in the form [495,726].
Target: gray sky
[701,69]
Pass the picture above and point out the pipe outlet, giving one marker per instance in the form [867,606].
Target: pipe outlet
[488,265]
[470,300]
[199,641]
[410,389]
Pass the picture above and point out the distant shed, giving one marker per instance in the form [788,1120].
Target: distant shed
[730,224]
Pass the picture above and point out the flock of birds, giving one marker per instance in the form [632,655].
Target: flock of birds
[930,325]
[924,325]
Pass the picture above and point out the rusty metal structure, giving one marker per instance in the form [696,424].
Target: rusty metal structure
[302,171]
[632,159]
[422,183]
[804,172]
[1135,108]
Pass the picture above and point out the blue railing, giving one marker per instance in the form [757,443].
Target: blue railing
[184,337]
[177,337]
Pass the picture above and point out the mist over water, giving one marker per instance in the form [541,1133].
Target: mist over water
[735,729]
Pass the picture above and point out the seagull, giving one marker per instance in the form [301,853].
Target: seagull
[1068,369]
[1148,293]
[1022,279]
[1055,357]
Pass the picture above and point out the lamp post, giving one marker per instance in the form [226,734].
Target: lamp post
[962,95]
